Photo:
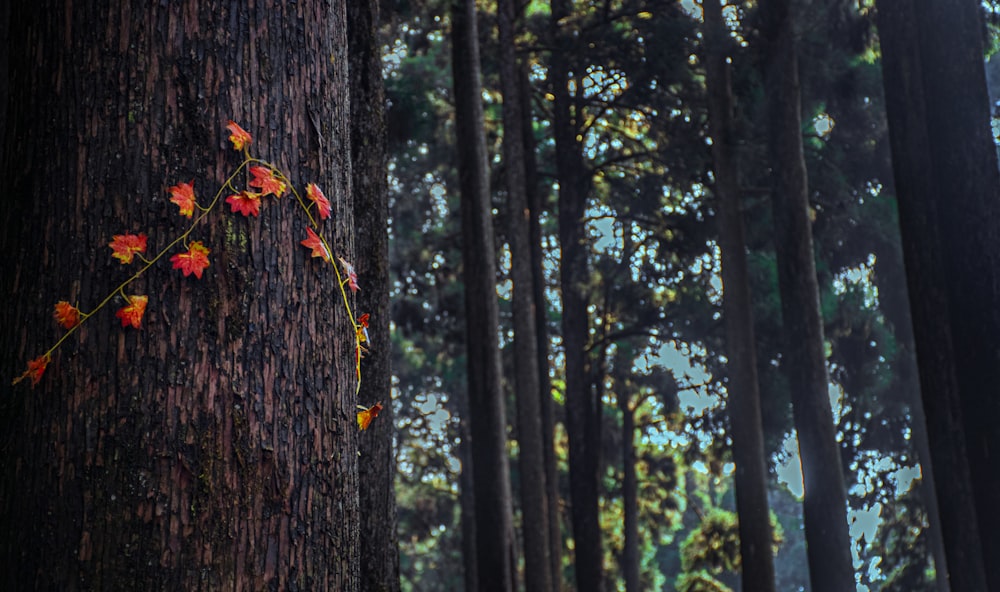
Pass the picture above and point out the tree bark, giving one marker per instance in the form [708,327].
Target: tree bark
[494,525]
[967,193]
[583,412]
[542,337]
[377,463]
[924,254]
[215,447]
[756,535]
[804,358]
[531,446]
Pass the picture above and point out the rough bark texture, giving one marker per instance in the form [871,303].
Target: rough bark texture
[743,404]
[925,256]
[215,448]
[494,524]
[531,454]
[967,193]
[804,359]
[377,463]
[583,411]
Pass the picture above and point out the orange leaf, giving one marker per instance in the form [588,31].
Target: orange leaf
[317,246]
[125,246]
[245,202]
[182,194]
[35,370]
[315,194]
[264,179]
[365,416]
[352,276]
[238,136]
[362,329]
[132,314]
[194,261]
[66,314]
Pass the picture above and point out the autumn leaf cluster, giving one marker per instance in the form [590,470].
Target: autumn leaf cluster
[265,181]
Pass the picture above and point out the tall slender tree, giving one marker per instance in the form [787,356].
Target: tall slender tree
[494,525]
[531,447]
[803,356]
[546,405]
[583,410]
[215,447]
[743,403]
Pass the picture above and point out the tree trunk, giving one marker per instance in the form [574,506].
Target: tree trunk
[924,254]
[967,192]
[542,337]
[377,463]
[215,447]
[756,535]
[583,413]
[531,454]
[494,525]
[804,361]
[630,491]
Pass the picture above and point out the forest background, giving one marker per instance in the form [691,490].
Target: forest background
[656,342]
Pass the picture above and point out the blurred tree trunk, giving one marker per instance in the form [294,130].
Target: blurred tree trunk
[928,190]
[756,535]
[531,455]
[542,336]
[214,448]
[494,524]
[377,465]
[804,357]
[583,412]
[630,489]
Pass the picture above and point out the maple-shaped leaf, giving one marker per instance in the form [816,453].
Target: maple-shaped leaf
[315,194]
[352,276]
[66,314]
[182,194]
[265,180]
[125,246]
[362,329]
[132,313]
[366,415]
[316,244]
[245,202]
[238,136]
[194,261]
[35,370]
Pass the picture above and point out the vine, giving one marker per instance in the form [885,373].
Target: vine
[267,180]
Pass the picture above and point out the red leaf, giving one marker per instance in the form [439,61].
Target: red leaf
[182,194]
[365,416]
[194,261]
[245,202]
[362,328]
[352,276]
[316,244]
[315,194]
[264,179]
[238,136]
[66,314]
[35,370]
[125,246]
[132,314]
